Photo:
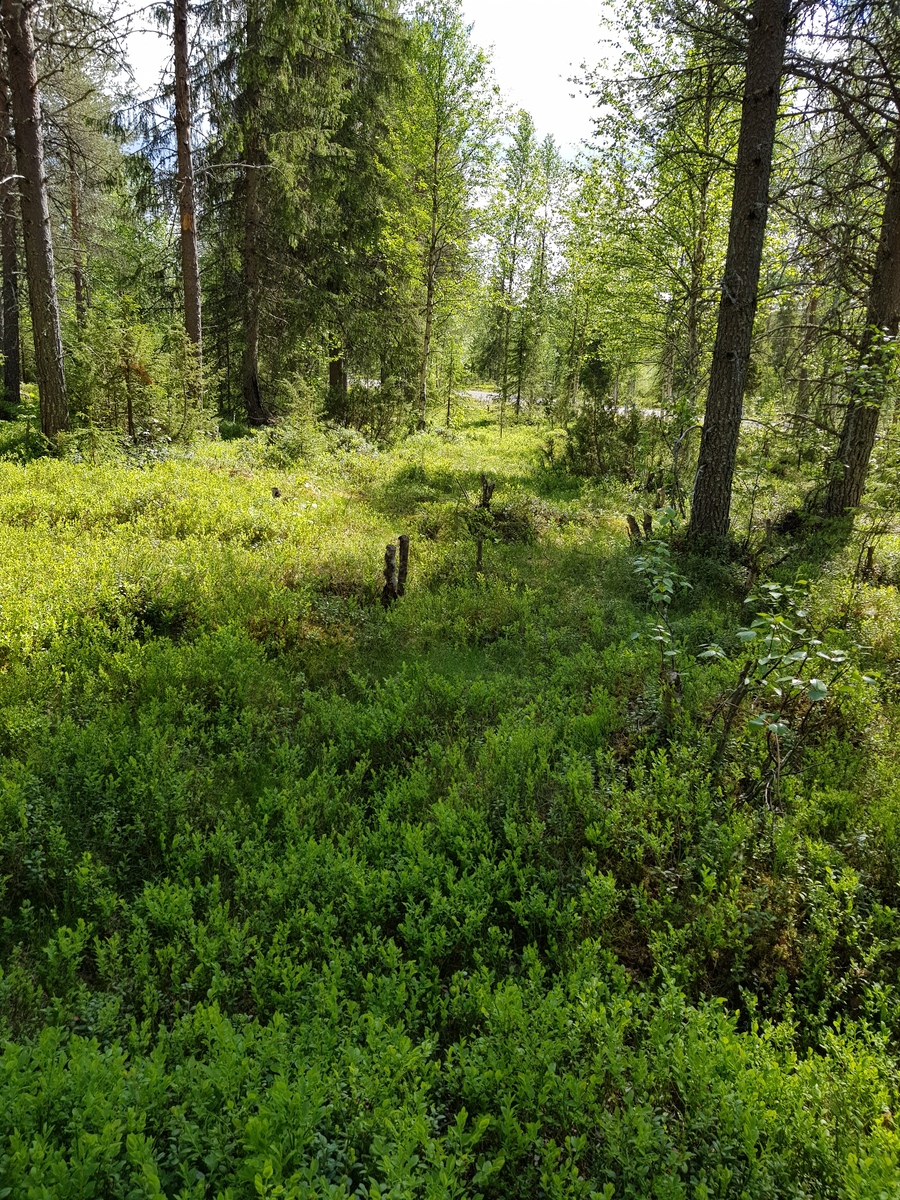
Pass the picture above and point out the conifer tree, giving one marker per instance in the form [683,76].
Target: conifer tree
[26,108]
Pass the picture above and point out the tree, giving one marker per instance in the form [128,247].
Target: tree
[26,108]
[516,243]
[190,268]
[655,201]
[9,298]
[449,132]
[766,46]
[861,84]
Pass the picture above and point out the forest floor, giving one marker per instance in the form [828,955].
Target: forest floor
[509,890]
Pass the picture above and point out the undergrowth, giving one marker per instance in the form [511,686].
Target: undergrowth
[481,895]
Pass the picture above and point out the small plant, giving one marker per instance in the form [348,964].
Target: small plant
[664,581]
[789,672]
[479,519]
[663,578]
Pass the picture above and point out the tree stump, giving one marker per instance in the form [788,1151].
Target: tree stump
[389,591]
[404,563]
[487,492]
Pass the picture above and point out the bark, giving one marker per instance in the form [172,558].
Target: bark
[848,480]
[699,251]
[737,307]
[337,383]
[48,350]
[190,269]
[389,591]
[77,256]
[257,413]
[426,344]
[403,569]
[12,380]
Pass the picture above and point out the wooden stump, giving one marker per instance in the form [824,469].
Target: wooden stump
[389,591]
[487,492]
[404,563]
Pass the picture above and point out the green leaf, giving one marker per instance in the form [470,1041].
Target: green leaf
[817,690]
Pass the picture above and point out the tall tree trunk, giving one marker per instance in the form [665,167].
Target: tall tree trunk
[253,402]
[257,413]
[190,270]
[431,266]
[697,283]
[26,107]
[77,257]
[430,279]
[845,488]
[711,503]
[12,380]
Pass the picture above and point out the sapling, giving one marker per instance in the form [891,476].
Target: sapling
[783,673]
[664,580]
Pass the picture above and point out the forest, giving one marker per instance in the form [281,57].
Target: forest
[449,607]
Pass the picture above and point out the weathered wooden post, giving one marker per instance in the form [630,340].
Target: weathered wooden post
[487,492]
[389,591]
[404,563]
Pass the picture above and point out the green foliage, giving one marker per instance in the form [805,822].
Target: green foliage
[301,897]
[135,381]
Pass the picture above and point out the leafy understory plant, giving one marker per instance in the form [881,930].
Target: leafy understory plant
[664,581]
[790,673]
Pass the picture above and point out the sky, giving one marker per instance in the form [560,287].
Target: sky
[537,46]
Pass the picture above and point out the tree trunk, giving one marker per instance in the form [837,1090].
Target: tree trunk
[12,380]
[697,284]
[190,270]
[77,259]
[253,402]
[337,383]
[431,266]
[48,350]
[426,346]
[845,488]
[711,503]
[257,413]
[806,346]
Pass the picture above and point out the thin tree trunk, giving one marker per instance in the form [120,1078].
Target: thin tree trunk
[26,107]
[699,252]
[256,411]
[12,380]
[431,264]
[504,367]
[845,488]
[253,402]
[806,345]
[426,338]
[190,269]
[77,258]
[695,293]
[767,41]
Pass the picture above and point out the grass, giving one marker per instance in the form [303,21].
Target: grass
[301,897]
